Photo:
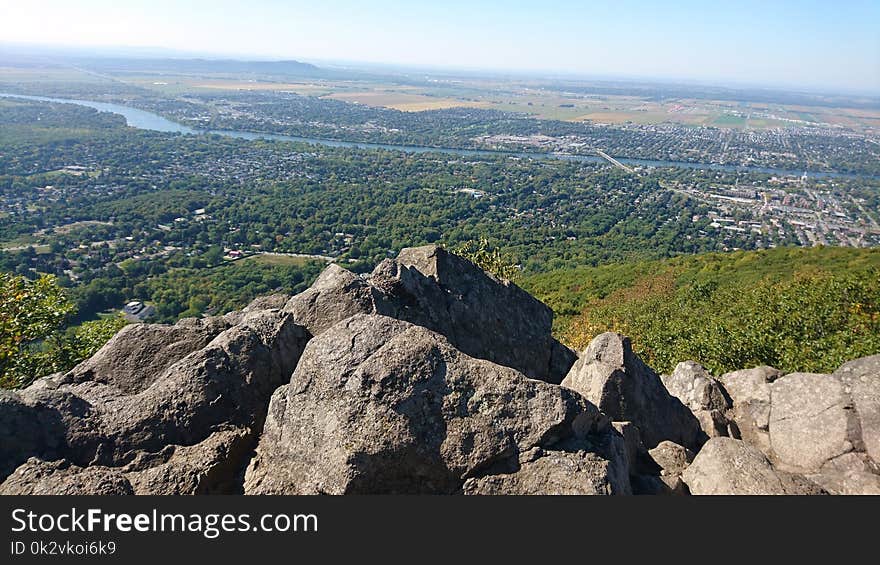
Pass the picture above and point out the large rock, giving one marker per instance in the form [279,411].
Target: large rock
[811,420]
[862,380]
[62,478]
[729,466]
[749,389]
[378,405]
[45,422]
[848,482]
[611,376]
[691,383]
[480,315]
[92,418]
[213,466]
[697,389]
[672,458]
[663,475]
[138,354]
[554,473]
[335,295]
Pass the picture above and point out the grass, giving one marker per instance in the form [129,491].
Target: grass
[18,242]
[278,260]
[729,120]
[67,228]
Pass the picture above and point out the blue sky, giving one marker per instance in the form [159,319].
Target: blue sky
[817,44]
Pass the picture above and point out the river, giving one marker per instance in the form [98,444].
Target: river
[145,120]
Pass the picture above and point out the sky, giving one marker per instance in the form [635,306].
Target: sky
[830,45]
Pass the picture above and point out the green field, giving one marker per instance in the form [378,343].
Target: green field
[729,120]
[278,260]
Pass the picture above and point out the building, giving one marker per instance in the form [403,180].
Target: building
[137,311]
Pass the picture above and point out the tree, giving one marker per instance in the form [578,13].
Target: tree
[488,258]
[29,311]
[31,341]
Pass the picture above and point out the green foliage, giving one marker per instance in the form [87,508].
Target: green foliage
[31,341]
[78,343]
[29,311]
[184,292]
[488,258]
[728,312]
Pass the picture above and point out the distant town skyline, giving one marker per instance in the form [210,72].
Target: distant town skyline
[831,46]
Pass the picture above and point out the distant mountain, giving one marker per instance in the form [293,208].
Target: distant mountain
[196,66]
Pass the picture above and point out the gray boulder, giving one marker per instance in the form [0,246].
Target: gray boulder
[864,367]
[848,482]
[670,461]
[335,295]
[729,466]
[861,378]
[697,389]
[138,354]
[672,458]
[611,376]
[480,315]
[749,389]
[36,477]
[228,382]
[554,473]
[45,422]
[89,420]
[378,405]
[213,466]
[811,420]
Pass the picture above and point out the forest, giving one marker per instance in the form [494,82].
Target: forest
[200,225]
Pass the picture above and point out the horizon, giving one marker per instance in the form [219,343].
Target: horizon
[135,52]
[835,49]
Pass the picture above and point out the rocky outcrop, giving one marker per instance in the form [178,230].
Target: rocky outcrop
[90,418]
[379,405]
[426,376]
[611,376]
[480,315]
[820,429]
[554,472]
[861,379]
[138,354]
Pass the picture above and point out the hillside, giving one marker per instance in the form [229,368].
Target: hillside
[427,376]
[806,309]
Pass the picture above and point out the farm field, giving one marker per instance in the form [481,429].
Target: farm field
[542,100]
[406,102]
